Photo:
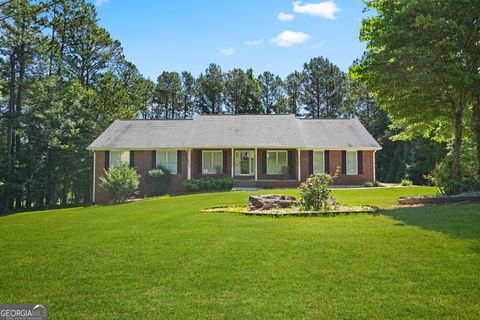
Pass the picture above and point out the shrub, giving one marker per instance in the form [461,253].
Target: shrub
[268,186]
[207,184]
[120,182]
[315,192]
[157,181]
[441,175]
[406,182]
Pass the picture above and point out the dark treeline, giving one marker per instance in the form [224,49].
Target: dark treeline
[63,80]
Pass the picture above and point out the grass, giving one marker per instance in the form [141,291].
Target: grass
[162,258]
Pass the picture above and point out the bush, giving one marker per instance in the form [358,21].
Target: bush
[120,182]
[268,186]
[207,184]
[406,182]
[157,181]
[315,192]
[441,175]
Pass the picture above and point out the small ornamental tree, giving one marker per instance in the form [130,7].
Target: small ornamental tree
[157,181]
[120,182]
[315,191]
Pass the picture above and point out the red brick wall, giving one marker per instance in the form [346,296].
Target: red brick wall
[143,164]
[198,175]
[367,175]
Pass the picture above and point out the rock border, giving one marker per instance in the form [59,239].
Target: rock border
[283,213]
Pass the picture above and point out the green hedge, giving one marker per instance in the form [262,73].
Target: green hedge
[206,184]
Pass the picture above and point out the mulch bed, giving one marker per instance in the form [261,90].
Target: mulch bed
[437,200]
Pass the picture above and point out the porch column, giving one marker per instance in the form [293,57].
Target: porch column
[233,155]
[298,165]
[256,165]
[189,165]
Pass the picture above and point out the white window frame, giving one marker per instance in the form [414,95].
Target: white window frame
[276,160]
[351,172]
[157,162]
[221,161]
[127,161]
[314,162]
[251,163]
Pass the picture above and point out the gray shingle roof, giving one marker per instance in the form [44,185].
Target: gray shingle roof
[239,131]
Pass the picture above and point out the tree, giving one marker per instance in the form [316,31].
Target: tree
[235,82]
[251,95]
[416,68]
[272,95]
[188,94]
[168,96]
[293,88]
[323,89]
[210,86]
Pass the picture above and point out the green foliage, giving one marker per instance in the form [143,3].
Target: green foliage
[158,181]
[120,182]
[441,177]
[406,183]
[208,184]
[315,191]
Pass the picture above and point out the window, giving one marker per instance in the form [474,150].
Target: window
[318,162]
[212,162]
[167,159]
[277,162]
[352,162]
[118,158]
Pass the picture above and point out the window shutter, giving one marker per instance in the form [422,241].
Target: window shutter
[179,161]
[344,162]
[327,161]
[264,163]
[132,158]
[154,159]
[225,162]
[107,160]
[310,162]
[360,161]
[199,161]
[291,167]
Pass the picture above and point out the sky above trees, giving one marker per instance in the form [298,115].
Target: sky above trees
[274,35]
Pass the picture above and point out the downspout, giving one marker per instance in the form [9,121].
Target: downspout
[374,165]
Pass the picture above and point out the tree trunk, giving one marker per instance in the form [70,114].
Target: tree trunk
[11,110]
[476,133]
[20,88]
[457,147]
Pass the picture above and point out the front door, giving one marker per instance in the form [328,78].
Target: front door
[244,163]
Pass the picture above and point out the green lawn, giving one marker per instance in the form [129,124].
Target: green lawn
[163,258]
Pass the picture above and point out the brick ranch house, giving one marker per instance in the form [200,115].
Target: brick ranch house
[256,150]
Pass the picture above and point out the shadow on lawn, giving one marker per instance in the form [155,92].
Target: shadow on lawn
[458,221]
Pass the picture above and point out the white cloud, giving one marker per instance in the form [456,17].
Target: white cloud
[227,51]
[282,16]
[256,42]
[326,9]
[98,3]
[289,38]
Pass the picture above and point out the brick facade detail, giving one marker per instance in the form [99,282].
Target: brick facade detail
[143,163]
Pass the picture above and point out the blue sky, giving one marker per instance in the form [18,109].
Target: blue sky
[274,35]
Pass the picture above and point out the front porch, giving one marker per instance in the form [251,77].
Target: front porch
[250,167]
